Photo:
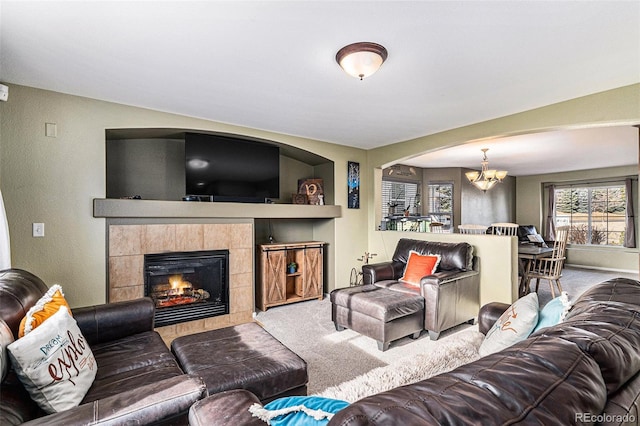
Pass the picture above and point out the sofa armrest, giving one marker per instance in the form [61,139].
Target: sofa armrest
[112,321]
[382,271]
[230,408]
[489,314]
[148,404]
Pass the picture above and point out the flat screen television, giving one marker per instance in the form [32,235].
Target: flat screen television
[226,168]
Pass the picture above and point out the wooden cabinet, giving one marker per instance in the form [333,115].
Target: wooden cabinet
[276,285]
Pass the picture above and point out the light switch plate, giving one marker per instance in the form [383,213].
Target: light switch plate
[50,130]
[38,230]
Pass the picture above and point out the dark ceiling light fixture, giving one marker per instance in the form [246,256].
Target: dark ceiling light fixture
[361,59]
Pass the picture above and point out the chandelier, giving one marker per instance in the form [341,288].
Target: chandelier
[485,179]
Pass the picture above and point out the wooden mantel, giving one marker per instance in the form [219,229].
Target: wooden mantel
[125,208]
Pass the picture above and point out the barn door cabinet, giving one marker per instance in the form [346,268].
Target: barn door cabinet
[276,285]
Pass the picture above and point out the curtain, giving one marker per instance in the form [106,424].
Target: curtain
[550,226]
[5,254]
[630,222]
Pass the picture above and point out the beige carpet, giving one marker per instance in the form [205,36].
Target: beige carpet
[445,355]
[336,357]
[576,281]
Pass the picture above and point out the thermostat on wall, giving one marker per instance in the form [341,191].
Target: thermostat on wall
[4,92]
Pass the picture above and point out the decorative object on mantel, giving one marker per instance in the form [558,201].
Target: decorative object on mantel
[361,59]
[299,199]
[353,182]
[312,188]
[485,179]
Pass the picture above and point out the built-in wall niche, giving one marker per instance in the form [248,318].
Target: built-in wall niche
[150,163]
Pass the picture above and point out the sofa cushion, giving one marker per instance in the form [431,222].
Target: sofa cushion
[539,381]
[610,334]
[19,291]
[514,325]
[47,306]
[54,363]
[131,362]
[621,291]
[454,256]
[418,266]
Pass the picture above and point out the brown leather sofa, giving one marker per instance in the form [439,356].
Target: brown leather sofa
[138,379]
[585,370]
[451,294]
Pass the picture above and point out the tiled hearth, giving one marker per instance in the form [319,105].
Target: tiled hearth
[129,243]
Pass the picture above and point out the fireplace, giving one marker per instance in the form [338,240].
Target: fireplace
[187,286]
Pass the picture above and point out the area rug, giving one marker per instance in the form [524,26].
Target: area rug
[450,353]
[334,357]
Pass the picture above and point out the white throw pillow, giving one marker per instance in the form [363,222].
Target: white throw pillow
[514,325]
[54,363]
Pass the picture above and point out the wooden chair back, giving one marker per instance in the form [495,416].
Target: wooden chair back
[472,229]
[510,229]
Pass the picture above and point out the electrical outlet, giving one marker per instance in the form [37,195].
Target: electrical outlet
[38,229]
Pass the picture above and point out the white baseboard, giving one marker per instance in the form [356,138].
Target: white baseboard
[599,268]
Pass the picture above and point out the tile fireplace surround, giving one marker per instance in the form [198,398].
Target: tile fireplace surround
[129,243]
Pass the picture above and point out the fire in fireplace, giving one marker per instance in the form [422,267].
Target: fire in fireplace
[186,286]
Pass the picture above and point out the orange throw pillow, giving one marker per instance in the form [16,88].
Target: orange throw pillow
[48,305]
[418,266]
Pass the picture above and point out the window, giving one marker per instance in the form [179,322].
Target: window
[441,203]
[397,197]
[595,213]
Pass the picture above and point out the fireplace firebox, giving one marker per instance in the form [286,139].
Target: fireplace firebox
[187,286]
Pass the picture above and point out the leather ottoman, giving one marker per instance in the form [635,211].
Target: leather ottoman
[242,357]
[382,314]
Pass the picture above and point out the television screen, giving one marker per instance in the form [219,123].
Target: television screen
[231,169]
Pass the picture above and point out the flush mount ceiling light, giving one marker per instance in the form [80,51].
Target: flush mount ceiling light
[486,179]
[361,59]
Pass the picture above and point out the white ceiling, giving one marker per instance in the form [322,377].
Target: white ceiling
[271,64]
[539,153]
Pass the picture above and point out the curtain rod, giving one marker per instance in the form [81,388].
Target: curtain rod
[591,182]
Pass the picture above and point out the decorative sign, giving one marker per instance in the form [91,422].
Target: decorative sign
[353,182]
[299,198]
[313,189]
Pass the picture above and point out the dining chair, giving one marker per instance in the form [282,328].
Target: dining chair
[550,268]
[437,227]
[472,229]
[510,229]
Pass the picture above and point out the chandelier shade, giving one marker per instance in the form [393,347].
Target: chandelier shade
[361,59]
[485,179]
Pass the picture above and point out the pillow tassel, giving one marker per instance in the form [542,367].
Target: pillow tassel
[564,298]
[265,415]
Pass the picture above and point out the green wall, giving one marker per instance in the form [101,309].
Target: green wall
[54,180]
[619,106]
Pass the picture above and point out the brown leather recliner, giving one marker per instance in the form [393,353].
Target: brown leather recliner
[451,294]
[138,379]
